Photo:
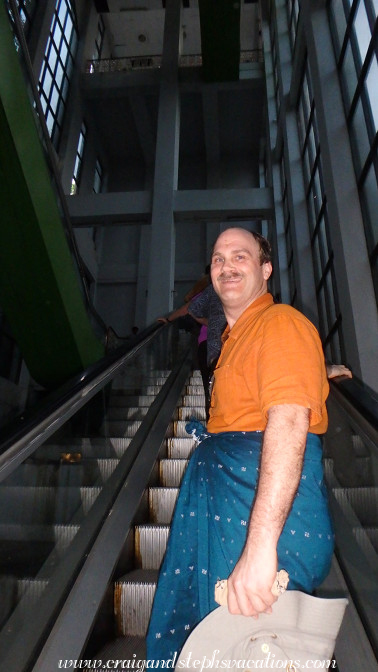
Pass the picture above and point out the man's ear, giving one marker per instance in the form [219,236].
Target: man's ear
[267,270]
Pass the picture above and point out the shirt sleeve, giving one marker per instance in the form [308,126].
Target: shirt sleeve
[291,367]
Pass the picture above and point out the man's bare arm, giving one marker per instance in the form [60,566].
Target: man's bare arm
[249,586]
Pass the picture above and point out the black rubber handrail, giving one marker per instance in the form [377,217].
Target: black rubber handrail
[32,428]
[138,459]
[361,396]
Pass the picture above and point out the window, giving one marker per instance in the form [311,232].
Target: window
[26,10]
[99,40]
[57,68]
[75,182]
[288,235]
[98,178]
[354,28]
[293,8]
[273,38]
[322,254]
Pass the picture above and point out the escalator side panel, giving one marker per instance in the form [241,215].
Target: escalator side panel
[39,287]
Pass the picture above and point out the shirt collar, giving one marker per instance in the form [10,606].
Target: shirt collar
[255,307]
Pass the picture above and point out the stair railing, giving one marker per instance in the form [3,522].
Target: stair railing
[352,446]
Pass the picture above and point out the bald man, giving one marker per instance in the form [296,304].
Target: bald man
[253,498]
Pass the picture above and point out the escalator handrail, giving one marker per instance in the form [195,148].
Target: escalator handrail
[30,430]
[66,582]
[362,396]
[360,404]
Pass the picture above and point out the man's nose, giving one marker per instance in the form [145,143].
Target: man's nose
[228,264]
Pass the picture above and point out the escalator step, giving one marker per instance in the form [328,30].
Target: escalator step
[359,447]
[195,390]
[187,412]
[197,400]
[77,473]
[330,477]
[372,533]
[179,429]
[195,378]
[127,648]
[133,597]
[59,535]
[171,471]
[180,448]
[24,592]
[121,428]
[24,549]
[367,539]
[45,505]
[363,501]
[126,412]
[97,448]
[143,390]
[126,400]
[150,545]
[161,504]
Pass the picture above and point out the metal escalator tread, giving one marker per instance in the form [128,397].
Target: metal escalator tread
[121,649]
[76,472]
[133,597]
[362,500]
[94,448]
[42,541]
[195,390]
[150,545]
[50,505]
[125,400]
[179,429]
[126,412]
[172,471]
[161,504]
[121,428]
[194,400]
[187,412]
[134,592]
[180,447]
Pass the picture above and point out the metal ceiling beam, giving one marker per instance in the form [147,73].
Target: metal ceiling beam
[136,206]
[224,203]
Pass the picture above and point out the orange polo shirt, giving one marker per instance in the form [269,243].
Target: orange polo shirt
[271,356]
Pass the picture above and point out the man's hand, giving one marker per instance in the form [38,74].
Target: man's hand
[249,586]
[338,371]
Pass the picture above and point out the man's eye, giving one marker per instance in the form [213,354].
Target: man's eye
[240,257]
[216,260]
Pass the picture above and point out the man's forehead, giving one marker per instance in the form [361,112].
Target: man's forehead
[234,249]
[237,240]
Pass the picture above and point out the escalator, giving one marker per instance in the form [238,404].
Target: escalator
[87,495]
[62,472]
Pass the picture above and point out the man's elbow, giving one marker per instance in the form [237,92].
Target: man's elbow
[290,416]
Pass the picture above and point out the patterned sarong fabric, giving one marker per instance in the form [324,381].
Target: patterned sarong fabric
[209,530]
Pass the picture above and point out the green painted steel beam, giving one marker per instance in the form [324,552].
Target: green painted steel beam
[220,38]
[39,286]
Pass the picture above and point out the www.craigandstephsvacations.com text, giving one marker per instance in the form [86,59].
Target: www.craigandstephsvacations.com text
[190,663]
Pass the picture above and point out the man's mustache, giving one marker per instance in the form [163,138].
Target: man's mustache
[229,276]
